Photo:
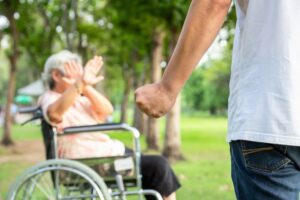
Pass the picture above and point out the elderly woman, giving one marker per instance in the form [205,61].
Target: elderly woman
[72,101]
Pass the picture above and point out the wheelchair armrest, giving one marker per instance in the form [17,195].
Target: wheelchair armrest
[107,127]
[102,127]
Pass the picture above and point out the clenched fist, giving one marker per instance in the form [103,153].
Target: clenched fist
[154,99]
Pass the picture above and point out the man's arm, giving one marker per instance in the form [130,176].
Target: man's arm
[203,22]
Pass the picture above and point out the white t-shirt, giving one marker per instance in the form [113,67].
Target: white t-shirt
[264,102]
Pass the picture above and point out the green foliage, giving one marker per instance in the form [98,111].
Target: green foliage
[135,22]
[215,82]
[37,25]
[193,93]
[231,19]
[208,87]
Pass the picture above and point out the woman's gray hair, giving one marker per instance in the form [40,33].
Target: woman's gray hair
[57,61]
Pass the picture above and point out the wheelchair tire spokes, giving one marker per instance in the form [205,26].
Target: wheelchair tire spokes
[58,182]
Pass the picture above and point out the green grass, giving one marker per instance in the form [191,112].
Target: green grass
[26,132]
[206,172]
[204,175]
[8,172]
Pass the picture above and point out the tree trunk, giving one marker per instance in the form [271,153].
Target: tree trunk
[13,57]
[140,120]
[172,143]
[213,110]
[124,104]
[152,137]
[7,139]
[70,24]
[1,36]
[82,47]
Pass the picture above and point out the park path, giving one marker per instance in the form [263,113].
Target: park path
[31,151]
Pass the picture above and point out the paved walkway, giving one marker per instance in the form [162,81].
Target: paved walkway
[29,151]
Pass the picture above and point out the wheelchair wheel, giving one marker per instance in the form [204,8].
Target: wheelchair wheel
[59,180]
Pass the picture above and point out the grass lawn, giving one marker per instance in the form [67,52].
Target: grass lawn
[205,174]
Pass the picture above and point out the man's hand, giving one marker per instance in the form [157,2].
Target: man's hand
[91,70]
[154,99]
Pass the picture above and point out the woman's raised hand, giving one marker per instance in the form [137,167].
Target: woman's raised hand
[91,70]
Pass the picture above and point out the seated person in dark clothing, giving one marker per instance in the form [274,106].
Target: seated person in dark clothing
[72,101]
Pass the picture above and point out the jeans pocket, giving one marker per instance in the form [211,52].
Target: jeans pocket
[264,157]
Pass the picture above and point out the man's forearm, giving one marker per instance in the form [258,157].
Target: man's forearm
[203,22]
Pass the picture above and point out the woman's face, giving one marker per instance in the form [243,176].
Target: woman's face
[61,84]
[63,80]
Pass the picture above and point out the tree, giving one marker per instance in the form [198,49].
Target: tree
[152,136]
[32,30]
[208,87]
[165,18]
[193,93]
[172,142]
[140,119]
[216,84]
[150,21]
[212,78]
[216,75]
[10,7]
[38,24]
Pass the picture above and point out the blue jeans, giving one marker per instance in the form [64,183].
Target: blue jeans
[263,171]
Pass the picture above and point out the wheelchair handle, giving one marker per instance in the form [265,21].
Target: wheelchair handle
[31,109]
[36,111]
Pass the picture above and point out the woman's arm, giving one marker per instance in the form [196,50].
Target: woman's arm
[100,105]
[79,82]
[56,110]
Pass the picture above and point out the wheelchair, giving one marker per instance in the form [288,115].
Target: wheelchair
[105,178]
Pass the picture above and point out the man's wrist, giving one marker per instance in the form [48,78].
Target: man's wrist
[171,90]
